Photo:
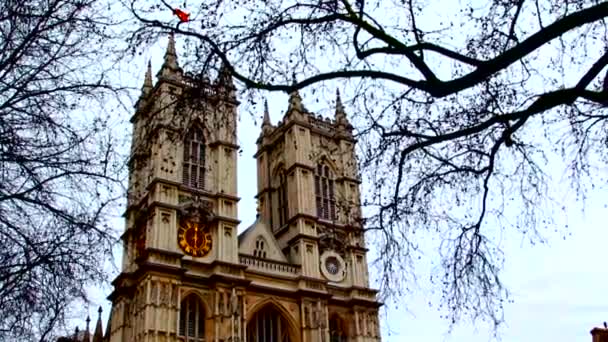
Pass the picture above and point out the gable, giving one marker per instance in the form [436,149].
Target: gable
[258,238]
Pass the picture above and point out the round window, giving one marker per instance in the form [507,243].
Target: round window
[332,264]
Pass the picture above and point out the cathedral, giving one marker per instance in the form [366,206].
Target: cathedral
[299,273]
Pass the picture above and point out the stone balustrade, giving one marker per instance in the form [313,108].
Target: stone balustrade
[266,265]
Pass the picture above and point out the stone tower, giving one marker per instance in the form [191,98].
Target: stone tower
[308,193]
[298,274]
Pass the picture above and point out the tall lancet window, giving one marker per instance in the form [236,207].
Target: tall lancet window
[324,193]
[268,325]
[282,199]
[337,330]
[193,168]
[260,248]
[192,319]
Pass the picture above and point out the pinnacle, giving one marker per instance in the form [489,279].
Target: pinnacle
[171,46]
[341,118]
[266,120]
[148,80]
[339,105]
[87,334]
[98,334]
[170,64]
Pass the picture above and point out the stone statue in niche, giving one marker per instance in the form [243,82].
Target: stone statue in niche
[323,318]
[221,306]
[319,316]
[361,323]
[173,294]
[307,316]
[376,326]
[316,320]
[165,293]
[154,291]
[234,303]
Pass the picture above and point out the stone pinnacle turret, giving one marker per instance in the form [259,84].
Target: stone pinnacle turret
[170,67]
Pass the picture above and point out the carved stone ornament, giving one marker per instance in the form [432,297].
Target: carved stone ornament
[197,210]
[332,240]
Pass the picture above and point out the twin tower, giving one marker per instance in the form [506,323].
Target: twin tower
[297,274]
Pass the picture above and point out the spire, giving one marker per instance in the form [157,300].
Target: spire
[98,334]
[171,48]
[148,79]
[266,125]
[108,326]
[170,64]
[76,332]
[341,119]
[266,119]
[339,105]
[87,334]
[340,114]
[147,87]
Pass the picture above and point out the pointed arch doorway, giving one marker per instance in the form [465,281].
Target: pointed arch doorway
[269,325]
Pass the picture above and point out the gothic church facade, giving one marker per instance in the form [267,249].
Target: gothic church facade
[297,274]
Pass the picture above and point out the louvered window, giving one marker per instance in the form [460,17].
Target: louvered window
[193,168]
[192,320]
[336,330]
[267,325]
[260,248]
[324,193]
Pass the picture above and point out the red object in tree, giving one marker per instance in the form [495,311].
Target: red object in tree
[183,16]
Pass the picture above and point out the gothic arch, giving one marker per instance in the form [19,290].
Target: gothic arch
[198,123]
[198,294]
[276,166]
[277,169]
[338,328]
[194,318]
[271,303]
[324,159]
[261,247]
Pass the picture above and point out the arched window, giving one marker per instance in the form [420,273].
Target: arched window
[337,331]
[282,205]
[260,248]
[192,319]
[267,325]
[324,193]
[193,167]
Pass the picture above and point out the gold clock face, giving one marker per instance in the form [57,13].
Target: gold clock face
[194,239]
